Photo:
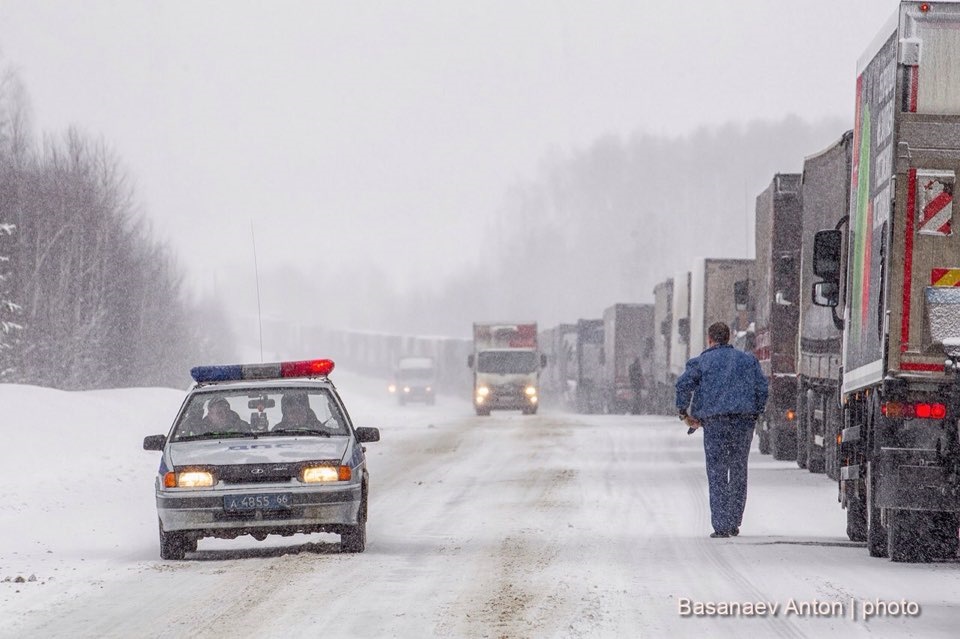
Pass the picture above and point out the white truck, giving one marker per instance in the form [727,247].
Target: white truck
[892,267]
[506,363]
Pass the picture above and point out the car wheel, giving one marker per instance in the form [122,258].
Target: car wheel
[173,545]
[354,538]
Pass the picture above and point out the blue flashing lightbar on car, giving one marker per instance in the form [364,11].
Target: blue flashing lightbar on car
[276,370]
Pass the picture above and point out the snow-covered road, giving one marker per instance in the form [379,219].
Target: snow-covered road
[554,525]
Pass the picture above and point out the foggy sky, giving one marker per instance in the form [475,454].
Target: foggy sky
[386,133]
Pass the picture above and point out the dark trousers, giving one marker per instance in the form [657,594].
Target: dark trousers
[726,442]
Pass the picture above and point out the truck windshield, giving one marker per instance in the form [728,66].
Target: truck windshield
[506,362]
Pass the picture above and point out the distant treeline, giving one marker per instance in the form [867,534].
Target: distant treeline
[88,299]
[598,226]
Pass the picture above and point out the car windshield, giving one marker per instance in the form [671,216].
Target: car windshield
[261,412]
[507,362]
[415,374]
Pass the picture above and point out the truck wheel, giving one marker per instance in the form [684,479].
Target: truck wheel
[483,412]
[173,545]
[816,465]
[354,538]
[764,440]
[905,536]
[856,519]
[784,445]
[833,424]
[918,536]
[816,462]
[803,429]
[946,534]
[877,542]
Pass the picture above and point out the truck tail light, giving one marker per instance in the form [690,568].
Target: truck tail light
[910,410]
[791,415]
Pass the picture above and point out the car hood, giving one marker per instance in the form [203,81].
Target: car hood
[257,451]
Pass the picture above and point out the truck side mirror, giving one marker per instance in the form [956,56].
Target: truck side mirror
[683,329]
[826,254]
[665,327]
[470,361]
[741,294]
[826,294]
[543,360]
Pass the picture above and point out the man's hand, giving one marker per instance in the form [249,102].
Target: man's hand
[692,423]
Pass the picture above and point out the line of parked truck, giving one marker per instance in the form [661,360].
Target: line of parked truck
[851,305]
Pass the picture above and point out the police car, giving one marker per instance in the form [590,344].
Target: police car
[261,449]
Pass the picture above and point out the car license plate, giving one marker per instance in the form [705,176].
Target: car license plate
[269,501]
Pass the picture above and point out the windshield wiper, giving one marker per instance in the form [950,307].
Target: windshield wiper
[218,434]
[302,431]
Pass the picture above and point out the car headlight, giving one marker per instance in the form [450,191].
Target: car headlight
[530,390]
[406,389]
[188,479]
[483,391]
[316,474]
[392,388]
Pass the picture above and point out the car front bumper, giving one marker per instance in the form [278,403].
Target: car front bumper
[309,510]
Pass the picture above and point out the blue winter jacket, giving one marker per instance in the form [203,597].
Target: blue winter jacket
[722,381]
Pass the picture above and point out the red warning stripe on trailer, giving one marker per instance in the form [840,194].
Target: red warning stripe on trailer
[908,260]
[918,366]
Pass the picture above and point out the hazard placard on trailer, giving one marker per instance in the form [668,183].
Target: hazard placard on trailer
[934,202]
[945,277]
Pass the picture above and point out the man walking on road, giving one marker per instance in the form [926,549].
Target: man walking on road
[724,391]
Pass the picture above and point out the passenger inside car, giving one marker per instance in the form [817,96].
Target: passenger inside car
[220,417]
[296,412]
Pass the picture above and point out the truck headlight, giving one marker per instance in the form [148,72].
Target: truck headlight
[188,479]
[317,474]
[392,388]
[530,390]
[406,389]
[483,391]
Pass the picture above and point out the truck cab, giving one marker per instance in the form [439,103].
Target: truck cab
[506,365]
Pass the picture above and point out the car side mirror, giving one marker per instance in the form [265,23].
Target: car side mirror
[366,434]
[154,442]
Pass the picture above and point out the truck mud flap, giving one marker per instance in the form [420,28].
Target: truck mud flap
[912,479]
